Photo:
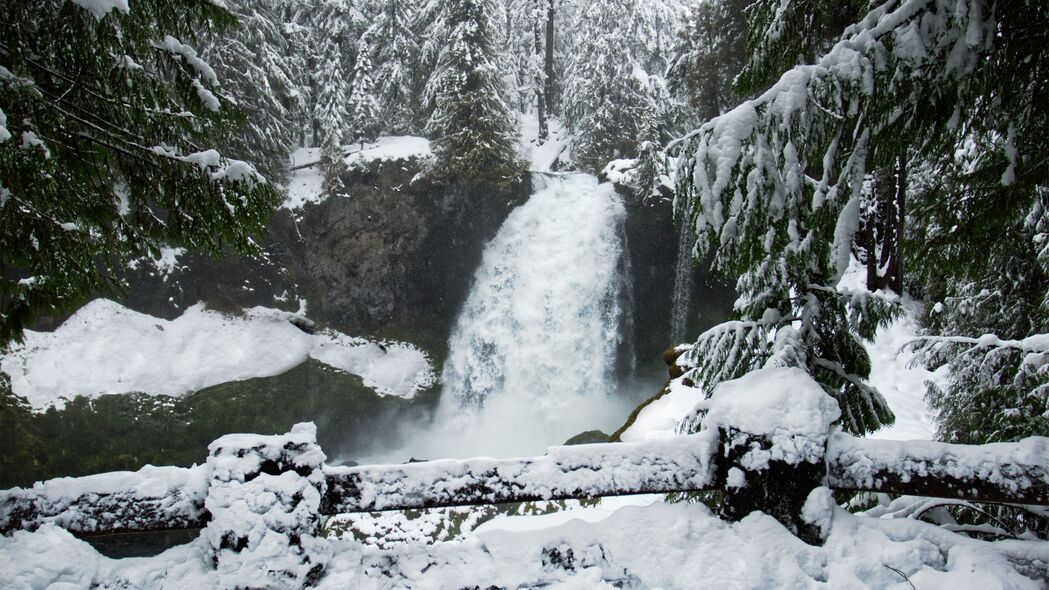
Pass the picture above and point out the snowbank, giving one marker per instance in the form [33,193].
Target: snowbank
[107,348]
[656,546]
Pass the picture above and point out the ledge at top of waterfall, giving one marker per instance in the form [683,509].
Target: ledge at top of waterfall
[107,348]
[532,357]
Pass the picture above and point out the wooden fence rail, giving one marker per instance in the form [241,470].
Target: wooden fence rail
[170,497]
[260,494]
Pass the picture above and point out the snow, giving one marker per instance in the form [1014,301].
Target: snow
[100,8]
[862,460]
[388,148]
[661,417]
[135,500]
[306,185]
[655,546]
[894,371]
[31,140]
[564,472]
[264,526]
[206,96]
[541,156]
[106,348]
[183,51]
[768,401]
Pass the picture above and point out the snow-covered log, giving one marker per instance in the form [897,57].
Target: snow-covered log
[583,471]
[999,472]
[152,498]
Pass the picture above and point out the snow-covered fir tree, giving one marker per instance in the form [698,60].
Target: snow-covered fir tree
[397,69]
[255,61]
[775,186]
[109,119]
[614,96]
[364,124]
[472,128]
[710,51]
[330,113]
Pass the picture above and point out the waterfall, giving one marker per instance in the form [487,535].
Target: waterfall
[682,283]
[532,357]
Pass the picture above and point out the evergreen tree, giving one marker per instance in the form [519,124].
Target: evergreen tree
[473,131]
[611,101]
[395,53]
[775,186]
[108,118]
[333,28]
[334,22]
[330,114]
[365,125]
[255,62]
[710,51]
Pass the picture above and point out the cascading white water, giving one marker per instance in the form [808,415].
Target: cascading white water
[533,354]
[682,282]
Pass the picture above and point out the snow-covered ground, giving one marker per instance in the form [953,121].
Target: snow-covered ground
[893,372]
[657,546]
[107,348]
[306,183]
[541,156]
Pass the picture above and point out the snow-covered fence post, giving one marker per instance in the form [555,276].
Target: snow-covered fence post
[773,426]
[264,502]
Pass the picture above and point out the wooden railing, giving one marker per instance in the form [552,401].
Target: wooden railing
[750,468]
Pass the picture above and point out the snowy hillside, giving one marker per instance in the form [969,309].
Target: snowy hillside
[107,348]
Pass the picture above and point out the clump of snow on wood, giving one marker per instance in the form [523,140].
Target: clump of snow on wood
[264,525]
[107,348]
[769,401]
[682,463]
[116,500]
[862,460]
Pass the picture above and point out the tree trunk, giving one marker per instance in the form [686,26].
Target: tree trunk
[884,227]
[901,209]
[548,66]
[540,85]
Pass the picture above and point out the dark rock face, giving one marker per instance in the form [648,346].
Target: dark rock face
[390,258]
[652,240]
[394,257]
